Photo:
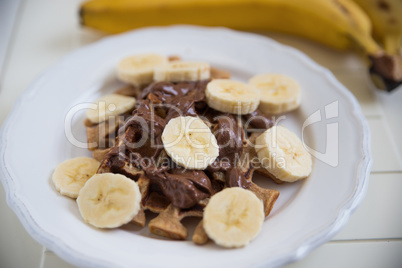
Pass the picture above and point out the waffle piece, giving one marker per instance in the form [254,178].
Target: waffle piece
[129,90]
[103,135]
[168,223]
[247,164]
[99,154]
[200,237]
[219,73]
[143,185]
[268,197]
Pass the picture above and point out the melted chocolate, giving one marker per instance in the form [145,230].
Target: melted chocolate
[143,131]
[139,138]
[235,178]
[230,137]
[258,120]
[184,188]
[178,99]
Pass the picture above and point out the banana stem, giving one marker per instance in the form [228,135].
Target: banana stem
[386,68]
[386,71]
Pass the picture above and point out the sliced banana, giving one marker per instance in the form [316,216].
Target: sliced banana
[233,217]
[279,93]
[190,142]
[178,71]
[283,155]
[109,200]
[230,96]
[108,106]
[139,69]
[71,175]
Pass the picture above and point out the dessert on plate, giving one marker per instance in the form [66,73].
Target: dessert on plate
[182,139]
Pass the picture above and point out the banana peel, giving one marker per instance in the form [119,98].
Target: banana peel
[340,24]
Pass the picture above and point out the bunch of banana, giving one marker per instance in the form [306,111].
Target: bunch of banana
[340,24]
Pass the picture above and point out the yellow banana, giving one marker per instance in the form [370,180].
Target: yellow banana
[340,24]
[312,18]
[386,16]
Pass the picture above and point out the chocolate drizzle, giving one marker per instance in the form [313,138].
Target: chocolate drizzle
[143,131]
[184,188]
[258,120]
[235,178]
[230,137]
[178,99]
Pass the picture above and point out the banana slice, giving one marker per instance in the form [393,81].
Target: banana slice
[109,200]
[279,93]
[283,155]
[190,142]
[110,105]
[71,175]
[233,217]
[230,96]
[177,71]
[139,69]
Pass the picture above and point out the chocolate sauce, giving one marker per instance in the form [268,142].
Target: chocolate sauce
[230,138]
[184,188]
[143,131]
[139,138]
[235,178]
[178,99]
[258,120]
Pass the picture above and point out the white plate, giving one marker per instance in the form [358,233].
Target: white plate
[306,214]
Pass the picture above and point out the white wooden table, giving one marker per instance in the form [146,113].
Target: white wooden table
[45,30]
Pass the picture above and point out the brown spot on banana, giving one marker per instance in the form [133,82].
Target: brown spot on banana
[392,21]
[383,5]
